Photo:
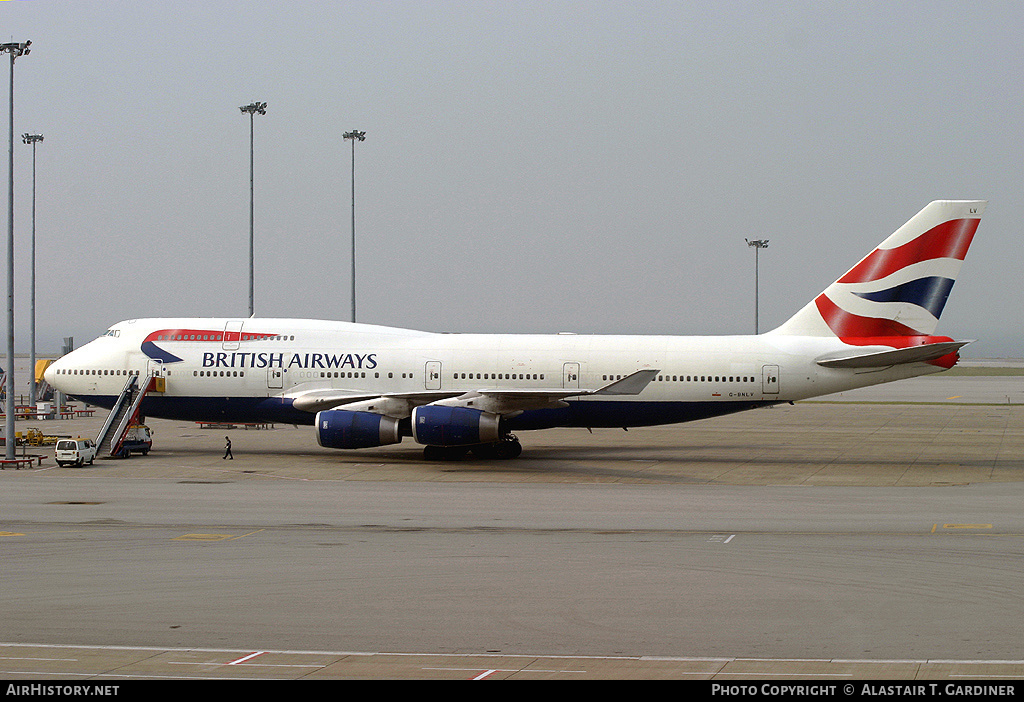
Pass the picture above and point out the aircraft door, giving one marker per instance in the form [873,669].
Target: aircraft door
[155,369]
[770,380]
[432,375]
[275,378]
[232,335]
[570,375]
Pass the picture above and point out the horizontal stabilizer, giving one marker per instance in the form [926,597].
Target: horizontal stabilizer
[863,358]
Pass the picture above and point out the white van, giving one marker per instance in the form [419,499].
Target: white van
[75,451]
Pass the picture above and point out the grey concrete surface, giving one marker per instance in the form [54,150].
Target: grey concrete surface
[872,537]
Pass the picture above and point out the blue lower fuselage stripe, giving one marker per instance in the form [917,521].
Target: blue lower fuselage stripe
[593,414]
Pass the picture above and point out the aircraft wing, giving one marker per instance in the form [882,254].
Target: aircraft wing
[316,400]
[511,401]
[632,384]
[496,400]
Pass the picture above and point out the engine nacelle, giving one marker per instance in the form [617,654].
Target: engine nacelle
[438,425]
[342,429]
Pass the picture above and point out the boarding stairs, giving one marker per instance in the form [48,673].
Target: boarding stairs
[124,413]
[44,391]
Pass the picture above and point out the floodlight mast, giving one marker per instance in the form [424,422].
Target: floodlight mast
[33,139]
[252,109]
[757,245]
[15,49]
[355,135]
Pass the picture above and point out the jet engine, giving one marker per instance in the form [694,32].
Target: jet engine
[439,425]
[343,429]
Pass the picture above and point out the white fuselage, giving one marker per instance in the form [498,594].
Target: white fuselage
[252,369]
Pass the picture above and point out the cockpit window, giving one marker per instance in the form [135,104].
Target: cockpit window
[112,332]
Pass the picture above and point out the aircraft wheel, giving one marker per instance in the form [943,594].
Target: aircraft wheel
[510,448]
[444,453]
[486,451]
[499,450]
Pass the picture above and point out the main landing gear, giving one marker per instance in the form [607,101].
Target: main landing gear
[509,447]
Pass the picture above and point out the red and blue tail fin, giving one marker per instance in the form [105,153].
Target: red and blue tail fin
[895,295]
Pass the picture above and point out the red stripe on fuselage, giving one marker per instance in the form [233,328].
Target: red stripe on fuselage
[204,335]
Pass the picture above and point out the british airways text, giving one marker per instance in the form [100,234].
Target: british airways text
[247,359]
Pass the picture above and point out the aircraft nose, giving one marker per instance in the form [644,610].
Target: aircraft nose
[49,374]
[52,375]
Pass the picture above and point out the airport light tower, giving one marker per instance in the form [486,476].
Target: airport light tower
[252,109]
[355,135]
[33,139]
[15,49]
[757,245]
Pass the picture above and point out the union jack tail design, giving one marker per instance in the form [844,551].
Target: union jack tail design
[895,295]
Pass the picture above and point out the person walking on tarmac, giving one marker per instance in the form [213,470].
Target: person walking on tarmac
[227,449]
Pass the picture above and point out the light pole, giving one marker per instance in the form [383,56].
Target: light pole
[33,139]
[354,136]
[15,49]
[757,245]
[252,109]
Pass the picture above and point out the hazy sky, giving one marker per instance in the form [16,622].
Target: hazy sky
[528,166]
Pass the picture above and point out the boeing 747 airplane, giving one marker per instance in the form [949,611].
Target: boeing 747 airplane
[364,386]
